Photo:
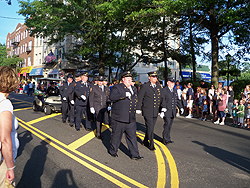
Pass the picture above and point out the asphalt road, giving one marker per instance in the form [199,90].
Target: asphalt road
[52,154]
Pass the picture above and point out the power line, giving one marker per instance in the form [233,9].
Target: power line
[11,18]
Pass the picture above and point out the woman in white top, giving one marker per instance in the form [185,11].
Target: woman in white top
[210,96]
[8,126]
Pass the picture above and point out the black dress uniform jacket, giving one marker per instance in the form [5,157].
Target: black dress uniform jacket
[171,99]
[81,89]
[67,91]
[99,99]
[150,100]
[123,109]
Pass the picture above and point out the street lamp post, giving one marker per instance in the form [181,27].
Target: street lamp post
[228,59]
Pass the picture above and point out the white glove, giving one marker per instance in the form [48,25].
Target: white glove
[128,94]
[83,97]
[92,110]
[162,114]
[182,110]
[164,109]
[72,102]
[138,111]
[64,98]
[109,108]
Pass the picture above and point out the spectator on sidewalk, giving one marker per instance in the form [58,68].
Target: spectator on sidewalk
[215,105]
[230,100]
[190,100]
[179,93]
[210,98]
[204,108]
[247,111]
[184,98]
[178,84]
[234,112]
[222,99]
[241,113]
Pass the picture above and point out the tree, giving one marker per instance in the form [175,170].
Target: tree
[93,31]
[8,61]
[219,18]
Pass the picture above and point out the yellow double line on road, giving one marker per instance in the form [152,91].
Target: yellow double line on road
[35,131]
[73,146]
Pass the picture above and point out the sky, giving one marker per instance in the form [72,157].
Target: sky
[9,18]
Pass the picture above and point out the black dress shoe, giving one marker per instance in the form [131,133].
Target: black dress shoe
[137,158]
[77,129]
[145,143]
[71,125]
[99,137]
[152,149]
[89,129]
[170,141]
[64,121]
[114,155]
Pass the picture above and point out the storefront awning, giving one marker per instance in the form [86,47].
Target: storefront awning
[36,72]
[54,71]
[25,70]
[205,76]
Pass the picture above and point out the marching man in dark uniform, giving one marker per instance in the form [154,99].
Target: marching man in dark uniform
[171,97]
[106,114]
[124,98]
[150,101]
[67,97]
[82,90]
[98,100]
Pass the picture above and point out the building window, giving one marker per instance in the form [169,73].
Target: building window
[36,59]
[37,38]
[57,55]
[30,45]
[172,64]
[62,53]
[29,61]
[40,58]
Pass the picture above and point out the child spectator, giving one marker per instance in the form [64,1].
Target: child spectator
[190,99]
[196,101]
[234,112]
[204,110]
[247,111]
[184,97]
[230,100]
[222,100]
[210,98]
[241,113]
[179,92]
[215,105]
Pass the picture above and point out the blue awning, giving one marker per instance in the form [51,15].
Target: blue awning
[36,72]
[205,76]
[186,74]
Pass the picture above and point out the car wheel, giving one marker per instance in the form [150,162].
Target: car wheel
[47,110]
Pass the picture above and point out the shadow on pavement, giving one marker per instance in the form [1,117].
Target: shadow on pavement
[235,160]
[64,178]
[24,139]
[34,167]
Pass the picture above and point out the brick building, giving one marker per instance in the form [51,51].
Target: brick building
[19,43]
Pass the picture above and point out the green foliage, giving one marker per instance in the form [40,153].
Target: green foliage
[8,61]
[239,86]
[162,71]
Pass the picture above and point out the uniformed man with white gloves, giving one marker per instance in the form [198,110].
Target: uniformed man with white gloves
[82,91]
